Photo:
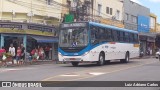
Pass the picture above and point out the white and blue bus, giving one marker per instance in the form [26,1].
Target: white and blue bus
[95,42]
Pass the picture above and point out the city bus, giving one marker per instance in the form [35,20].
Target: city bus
[94,42]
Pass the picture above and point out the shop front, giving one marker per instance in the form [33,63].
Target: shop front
[31,35]
[147,44]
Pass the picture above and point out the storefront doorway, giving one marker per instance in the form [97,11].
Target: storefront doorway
[16,41]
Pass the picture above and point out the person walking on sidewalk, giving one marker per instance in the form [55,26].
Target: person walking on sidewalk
[18,56]
[22,53]
[12,52]
[47,49]
[2,51]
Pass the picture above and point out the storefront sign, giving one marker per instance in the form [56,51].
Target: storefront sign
[41,28]
[10,26]
[27,28]
[30,32]
[143,24]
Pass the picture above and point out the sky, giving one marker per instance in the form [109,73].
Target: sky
[154,6]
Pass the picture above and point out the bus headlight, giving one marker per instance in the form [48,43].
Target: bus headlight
[60,54]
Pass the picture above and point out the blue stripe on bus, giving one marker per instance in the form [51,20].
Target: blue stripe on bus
[112,27]
[88,48]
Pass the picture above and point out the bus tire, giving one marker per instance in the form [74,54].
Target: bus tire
[127,58]
[101,60]
[75,64]
[107,62]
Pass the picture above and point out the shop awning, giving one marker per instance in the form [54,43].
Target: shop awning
[44,39]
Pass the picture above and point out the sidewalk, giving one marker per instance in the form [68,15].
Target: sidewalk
[39,62]
[144,57]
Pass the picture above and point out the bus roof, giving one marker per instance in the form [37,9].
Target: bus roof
[113,27]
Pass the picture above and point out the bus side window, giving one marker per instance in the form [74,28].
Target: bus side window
[109,35]
[121,36]
[126,37]
[131,37]
[118,36]
[102,34]
[115,35]
[94,35]
[135,38]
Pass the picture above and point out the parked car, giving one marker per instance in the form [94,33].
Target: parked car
[157,54]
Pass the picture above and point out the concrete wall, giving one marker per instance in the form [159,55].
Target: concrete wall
[36,11]
[114,4]
[134,9]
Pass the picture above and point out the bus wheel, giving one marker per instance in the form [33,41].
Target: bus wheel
[107,62]
[101,60]
[126,60]
[75,64]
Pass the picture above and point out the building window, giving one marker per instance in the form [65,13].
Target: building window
[126,16]
[134,19]
[111,11]
[99,9]
[107,10]
[117,14]
[49,2]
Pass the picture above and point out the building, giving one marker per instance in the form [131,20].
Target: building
[158,37]
[109,11]
[137,17]
[46,12]
[103,11]
[131,12]
[31,22]
[158,28]
[153,31]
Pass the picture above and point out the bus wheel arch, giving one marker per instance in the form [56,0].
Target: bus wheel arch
[101,59]
[127,58]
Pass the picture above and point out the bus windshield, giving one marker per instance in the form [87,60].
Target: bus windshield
[73,37]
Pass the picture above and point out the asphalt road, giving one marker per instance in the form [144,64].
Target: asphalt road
[136,70]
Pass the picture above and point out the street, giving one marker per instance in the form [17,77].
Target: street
[136,70]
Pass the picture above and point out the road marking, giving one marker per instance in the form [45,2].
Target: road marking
[96,73]
[12,69]
[111,71]
[6,70]
[69,75]
[88,70]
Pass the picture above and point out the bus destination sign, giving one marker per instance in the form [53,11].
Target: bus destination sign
[68,25]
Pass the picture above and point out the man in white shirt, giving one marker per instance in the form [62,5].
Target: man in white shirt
[12,52]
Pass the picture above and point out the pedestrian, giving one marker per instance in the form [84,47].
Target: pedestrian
[18,56]
[47,49]
[12,52]
[22,52]
[2,51]
[35,55]
[41,53]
